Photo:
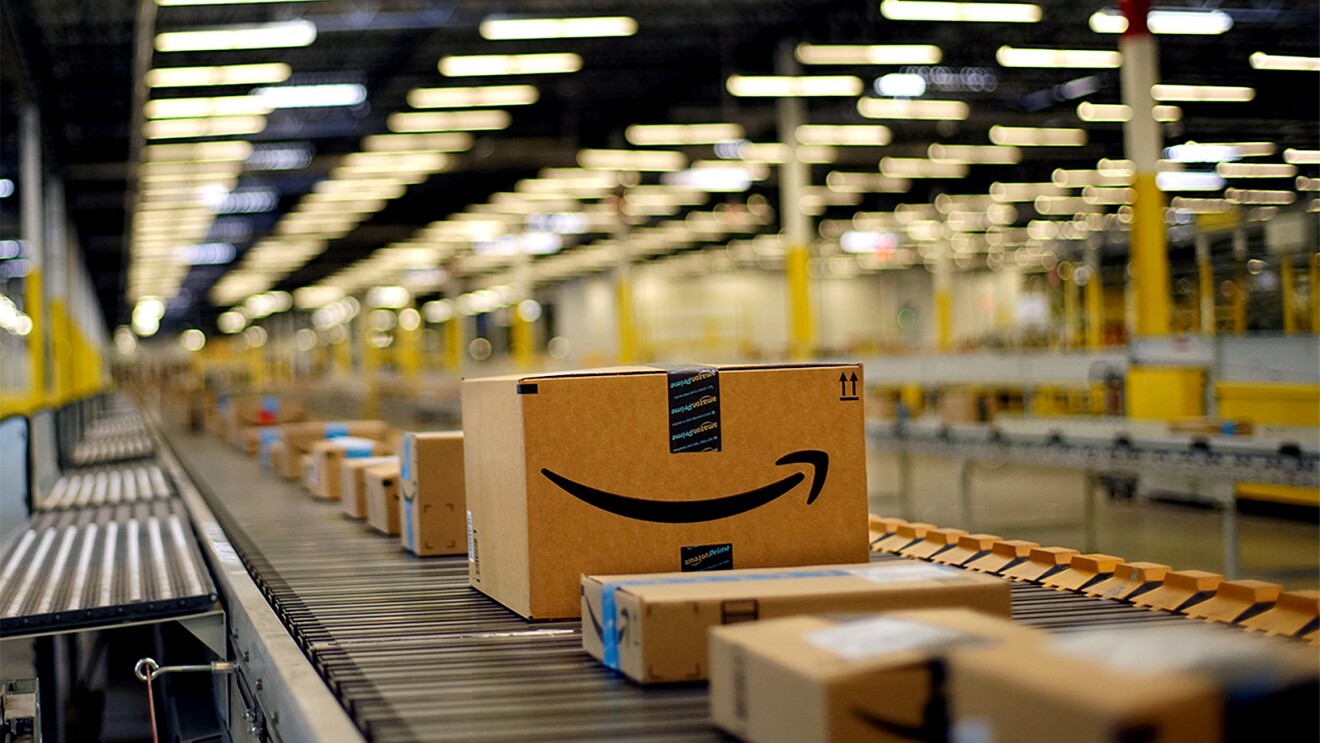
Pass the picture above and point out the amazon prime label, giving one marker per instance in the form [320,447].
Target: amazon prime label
[704,557]
[694,409]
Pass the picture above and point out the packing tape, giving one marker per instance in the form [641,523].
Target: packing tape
[407,523]
[405,460]
[270,404]
[336,430]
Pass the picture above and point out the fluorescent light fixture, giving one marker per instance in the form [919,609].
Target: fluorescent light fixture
[280,157]
[1167,22]
[201,152]
[639,160]
[842,182]
[491,95]
[311,96]
[973,12]
[1255,196]
[1064,178]
[1008,56]
[315,296]
[1301,157]
[1263,61]
[1203,93]
[924,110]
[388,297]
[785,86]
[226,126]
[859,54]
[423,142]
[843,135]
[197,77]
[1022,192]
[209,254]
[510,64]
[1202,206]
[502,29]
[167,3]
[357,190]
[1026,136]
[1245,149]
[282,35]
[448,121]
[386,163]
[901,85]
[1202,153]
[974,154]
[1256,170]
[1308,184]
[1108,196]
[915,167]
[1119,112]
[1065,205]
[358,206]
[1189,180]
[646,135]
[726,178]
[200,108]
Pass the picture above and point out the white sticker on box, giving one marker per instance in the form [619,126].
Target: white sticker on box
[880,636]
[1150,650]
[907,572]
[972,730]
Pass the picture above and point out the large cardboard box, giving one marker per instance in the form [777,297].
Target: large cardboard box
[642,469]
[1189,683]
[381,482]
[353,483]
[841,679]
[434,518]
[653,627]
[299,437]
[328,455]
[247,411]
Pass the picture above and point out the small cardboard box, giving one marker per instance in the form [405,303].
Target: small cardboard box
[643,469]
[248,411]
[328,455]
[815,679]
[275,453]
[299,437]
[381,482]
[353,484]
[1190,683]
[653,627]
[434,520]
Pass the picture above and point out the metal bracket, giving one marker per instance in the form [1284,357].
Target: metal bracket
[210,629]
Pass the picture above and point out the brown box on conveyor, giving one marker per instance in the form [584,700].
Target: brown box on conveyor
[840,679]
[381,482]
[434,518]
[646,469]
[299,437]
[328,455]
[653,627]
[353,484]
[1189,683]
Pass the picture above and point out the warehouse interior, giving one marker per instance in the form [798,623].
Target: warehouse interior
[307,306]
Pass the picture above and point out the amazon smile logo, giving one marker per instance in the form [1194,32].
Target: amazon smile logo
[712,509]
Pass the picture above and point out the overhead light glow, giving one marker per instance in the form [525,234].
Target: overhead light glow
[1255,196]
[280,157]
[974,154]
[193,340]
[647,135]
[283,35]
[785,86]
[842,182]
[889,108]
[239,74]
[901,85]
[1203,93]
[1256,170]
[1301,157]
[1023,192]
[973,12]
[1008,56]
[448,121]
[510,64]
[1025,136]
[1188,180]
[422,142]
[227,126]
[389,297]
[843,135]
[1119,112]
[878,54]
[166,3]
[639,160]
[201,152]
[311,96]
[1263,61]
[1193,152]
[200,108]
[231,321]
[914,167]
[490,95]
[209,254]
[501,29]
[1167,22]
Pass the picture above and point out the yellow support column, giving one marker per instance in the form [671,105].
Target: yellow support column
[370,368]
[1071,317]
[523,336]
[802,327]
[342,351]
[408,354]
[1095,311]
[627,321]
[1288,287]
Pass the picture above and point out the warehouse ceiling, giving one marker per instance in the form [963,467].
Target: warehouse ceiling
[86,61]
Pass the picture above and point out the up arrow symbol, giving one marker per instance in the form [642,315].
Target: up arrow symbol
[853,379]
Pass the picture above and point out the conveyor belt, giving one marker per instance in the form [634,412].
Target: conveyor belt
[96,566]
[413,653]
[106,486]
[112,448]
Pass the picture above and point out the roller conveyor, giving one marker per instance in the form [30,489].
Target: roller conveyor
[106,486]
[111,448]
[413,653]
[102,566]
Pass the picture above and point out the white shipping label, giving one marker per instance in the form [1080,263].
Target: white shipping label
[880,636]
[908,572]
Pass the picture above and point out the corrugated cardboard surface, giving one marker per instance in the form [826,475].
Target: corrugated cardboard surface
[328,455]
[382,485]
[353,483]
[434,518]
[299,437]
[608,432]
[812,679]
[653,628]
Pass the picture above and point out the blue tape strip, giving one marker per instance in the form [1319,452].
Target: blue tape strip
[608,605]
[270,404]
[405,463]
[358,451]
[408,523]
[336,430]
[267,436]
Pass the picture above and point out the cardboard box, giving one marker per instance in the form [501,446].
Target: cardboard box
[434,518]
[305,463]
[653,627]
[641,469]
[328,455]
[275,456]
[1189,683]
[248,411]
[812,679]
[353,483]
[257,441]
[299,437]
[381,482]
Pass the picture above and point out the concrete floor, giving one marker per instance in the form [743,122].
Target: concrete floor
[1047,506]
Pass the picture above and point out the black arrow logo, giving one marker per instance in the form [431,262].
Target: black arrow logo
[691,512]
[843,384]
[853,379]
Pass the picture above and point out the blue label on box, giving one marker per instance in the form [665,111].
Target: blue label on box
[336,430]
